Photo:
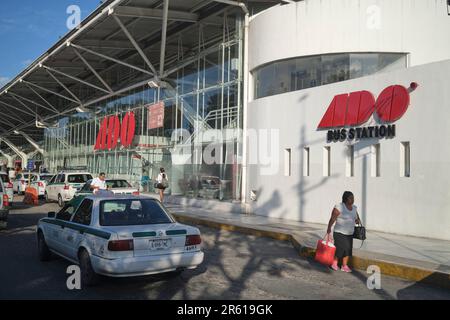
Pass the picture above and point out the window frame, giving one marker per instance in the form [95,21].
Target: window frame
[79,212]
[63,209]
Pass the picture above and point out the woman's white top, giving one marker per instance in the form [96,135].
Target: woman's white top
[160,177]
[345,222]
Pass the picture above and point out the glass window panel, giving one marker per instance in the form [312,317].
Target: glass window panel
[335,68]
[307,72]
[212,72]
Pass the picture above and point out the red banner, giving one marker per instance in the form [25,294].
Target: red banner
[155,115]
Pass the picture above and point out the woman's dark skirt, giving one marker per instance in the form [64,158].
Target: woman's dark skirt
[344,245]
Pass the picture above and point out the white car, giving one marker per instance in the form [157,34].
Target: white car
[119,236]
[21,182]
[116,186]
[40,181]
[63,186]
[8,186]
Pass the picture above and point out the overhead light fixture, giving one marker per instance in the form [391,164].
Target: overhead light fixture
[153,84]
[40,125]
[16,132]
[81,110]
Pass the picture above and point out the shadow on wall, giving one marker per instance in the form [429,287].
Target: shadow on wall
[270,205]
[303,187]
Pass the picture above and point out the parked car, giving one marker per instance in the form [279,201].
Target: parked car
[119,236]
[63,186]
[40,181]
[210,187]
[117,186]
[8,186]
[21,182]
[4,203]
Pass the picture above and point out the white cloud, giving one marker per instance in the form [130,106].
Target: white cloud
[27,62]
[3,81]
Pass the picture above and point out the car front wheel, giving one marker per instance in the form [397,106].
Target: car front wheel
[43,250]
[88,276]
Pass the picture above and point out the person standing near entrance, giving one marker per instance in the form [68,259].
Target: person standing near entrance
[162,183]
[345,215]
[99,183]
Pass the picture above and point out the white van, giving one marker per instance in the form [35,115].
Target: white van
[63,186]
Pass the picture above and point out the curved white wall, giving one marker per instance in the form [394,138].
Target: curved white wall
[310,27]
[417,206]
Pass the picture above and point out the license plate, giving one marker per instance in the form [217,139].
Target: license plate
[160,244]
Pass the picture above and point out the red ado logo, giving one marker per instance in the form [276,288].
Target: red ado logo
[357,107]
[111,130]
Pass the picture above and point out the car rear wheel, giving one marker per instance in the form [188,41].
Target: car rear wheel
[88,276]
[46,197]
[60,201]
[43,250]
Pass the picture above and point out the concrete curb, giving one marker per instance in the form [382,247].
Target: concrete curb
[398,269]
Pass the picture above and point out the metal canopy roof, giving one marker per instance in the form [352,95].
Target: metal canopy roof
[138,38]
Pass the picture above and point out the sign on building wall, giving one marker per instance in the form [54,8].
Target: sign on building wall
[155,114]
[111,130]
[346,111]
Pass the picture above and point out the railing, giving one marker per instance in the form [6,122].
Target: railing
[229,114]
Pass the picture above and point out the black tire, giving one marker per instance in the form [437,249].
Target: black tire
[60,201]
[88,276]
[46,197]
[44,252]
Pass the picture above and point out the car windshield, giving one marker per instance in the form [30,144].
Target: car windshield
[129,212]
[46,178]
[118,184]
[5,177]
[79,178]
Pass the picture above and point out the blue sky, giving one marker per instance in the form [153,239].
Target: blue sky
[28,28]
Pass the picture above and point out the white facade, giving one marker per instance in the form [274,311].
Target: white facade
[418,205]
[310,27]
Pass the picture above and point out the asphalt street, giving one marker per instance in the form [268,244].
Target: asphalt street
[236,266]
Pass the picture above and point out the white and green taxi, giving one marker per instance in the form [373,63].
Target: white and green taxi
[119,236]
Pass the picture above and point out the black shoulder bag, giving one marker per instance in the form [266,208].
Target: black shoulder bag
[360,232]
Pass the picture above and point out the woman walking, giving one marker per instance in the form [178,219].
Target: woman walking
[162,183]
[345,215]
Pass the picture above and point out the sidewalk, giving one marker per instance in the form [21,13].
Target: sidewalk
[412,258]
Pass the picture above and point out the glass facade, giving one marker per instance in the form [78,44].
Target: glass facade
[203,95]
[307,72]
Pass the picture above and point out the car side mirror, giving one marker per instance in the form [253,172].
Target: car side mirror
[51,214]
